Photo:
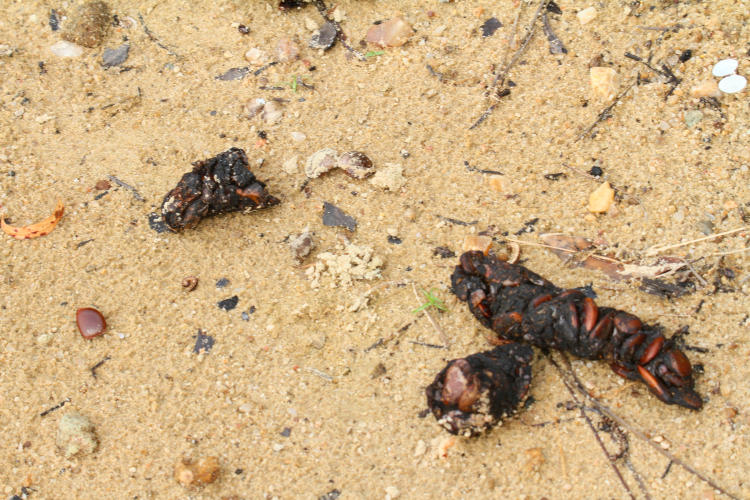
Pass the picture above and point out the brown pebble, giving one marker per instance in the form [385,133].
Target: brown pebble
[89,24]
[102,185]
[90,322]
[204,471]
[474,242]
[189,283]
[604,82]
[286,50]
[392,33]
[601,198]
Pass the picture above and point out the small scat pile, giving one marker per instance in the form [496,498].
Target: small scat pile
[356,262]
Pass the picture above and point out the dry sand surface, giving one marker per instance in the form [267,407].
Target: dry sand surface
[319,392]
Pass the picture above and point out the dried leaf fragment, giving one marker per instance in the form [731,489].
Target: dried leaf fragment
[35,230]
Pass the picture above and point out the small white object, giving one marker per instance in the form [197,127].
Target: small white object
[586,15]
[725,67]
[298,136]
[732,84]
[66,49]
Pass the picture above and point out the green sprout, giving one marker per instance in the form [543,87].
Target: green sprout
[374,53]
[432,301]
[293,85]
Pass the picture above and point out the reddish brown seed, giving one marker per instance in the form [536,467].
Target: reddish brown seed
[590,313]
[627,323]
[622,371]
[651,382]
[630,344]
[574,315]
[540,300]
[189,283]
[90,322]
[652,350]
[679,363]
[603,329]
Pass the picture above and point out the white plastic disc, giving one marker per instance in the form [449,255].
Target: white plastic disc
[725,67]
[732,84]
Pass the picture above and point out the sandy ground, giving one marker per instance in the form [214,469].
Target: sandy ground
[293,401]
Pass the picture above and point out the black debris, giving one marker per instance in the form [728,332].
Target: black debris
[291,4]
[243,29]
[56,407]
[596,171]
[331,495]
[286,432]
[554,8]
[325,37]
[395,240]
[662,288]
[490,26]
[234,74]
[222,282]
[156,222]
[556,176]
[686,55]
[528,226]
[457,221]
[203,342]
[333,216]
[228,304]
[443,252]
[54,20]
[115,57]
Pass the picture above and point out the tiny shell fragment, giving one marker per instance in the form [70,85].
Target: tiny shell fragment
[732,84]
[90,322]
[602,198]
[474,242]
[725,67]
[35,230]
[586,15]
[321,162]
[356,165]
[204,471]
[392,33]
[604,82]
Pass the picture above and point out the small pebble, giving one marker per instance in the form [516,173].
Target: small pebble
[89,24]
[601,199]
[420,449]
[706,227]
[390,177]
[392,33]
[203,343]
[324,37]
[102,185]
[286,50]
[234,74]
[115,57]
[475,242]
[604,82]
[66,49]
[725,67]
[290,165]
[298,136]
[302,244]
[496,183]
[586,15]
[272,112]
[321,162]
[255,56]
[278,447]
[204,471]
[222,282]
[733,84]
[75,434]
[708,88]
[90,322]
[391,493]
[692,117]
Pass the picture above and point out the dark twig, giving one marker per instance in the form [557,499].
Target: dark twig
[637,477]
[456,221]
[555,44]
[321,6]
[56,407]
[130,188]
[632,429]
[424,344]
[666,471]
[605,113]
[97,365]
[610,459]
[494,89]
[154,38]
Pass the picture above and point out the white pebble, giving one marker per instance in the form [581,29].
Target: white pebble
[391,492]
[298,136]
[732,84]
[66,49]
[586,15]
[725,67]
[278,447]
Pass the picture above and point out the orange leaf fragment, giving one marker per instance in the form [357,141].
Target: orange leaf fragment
[36,230]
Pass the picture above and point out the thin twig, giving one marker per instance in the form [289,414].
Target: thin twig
[500,76]
[635,431]
[605,113]
[127,186]
[542,245]
[659,249]
[438,329]
[154,38]
[637,477]
[610,458]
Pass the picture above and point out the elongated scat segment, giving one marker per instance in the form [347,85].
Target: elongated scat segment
[519,305]
[217,185]
[472,394]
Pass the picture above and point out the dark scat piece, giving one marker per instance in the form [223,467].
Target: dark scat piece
[228,304]
[218,185]
[490,26]
[472,394]
[521,306]
[203,342]
[325,37]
